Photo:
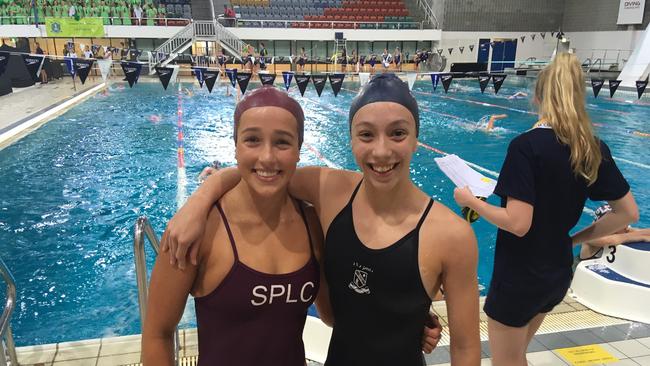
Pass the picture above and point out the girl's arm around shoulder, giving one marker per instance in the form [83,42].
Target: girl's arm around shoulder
[325,188]
[456,247]
[322,302]
[168,292]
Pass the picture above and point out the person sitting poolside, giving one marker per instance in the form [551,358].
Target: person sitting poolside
[593,249]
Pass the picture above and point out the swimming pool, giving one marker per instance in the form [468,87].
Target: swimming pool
[74,188]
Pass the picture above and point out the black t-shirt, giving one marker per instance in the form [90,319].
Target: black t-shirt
[537,170]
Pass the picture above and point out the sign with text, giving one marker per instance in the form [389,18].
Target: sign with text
[631,12]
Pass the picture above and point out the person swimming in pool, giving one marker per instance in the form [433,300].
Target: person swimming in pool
[490,121]
[519,95]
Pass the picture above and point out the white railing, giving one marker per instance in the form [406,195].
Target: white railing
[428,13]
[161,22]
[328,24]
[170,46]
[7,346]
[209,29]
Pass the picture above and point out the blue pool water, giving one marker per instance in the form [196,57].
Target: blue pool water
[73,189]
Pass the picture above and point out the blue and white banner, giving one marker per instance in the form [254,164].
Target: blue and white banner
[596,84]
[319,83]
[435,79]
[198,72]
[287,76]
[242,79]
[266,79]
[302,81]
[210,77]
[232,75]
[34,64]
[483,81]
[336,82]
[446,81]
[82,67]
[164,75]
[613,85]
[131,71]
[497,81]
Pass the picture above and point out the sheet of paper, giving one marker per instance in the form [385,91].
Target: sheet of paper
[462,175]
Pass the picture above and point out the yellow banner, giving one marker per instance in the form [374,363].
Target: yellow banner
[586,355]
[69,27]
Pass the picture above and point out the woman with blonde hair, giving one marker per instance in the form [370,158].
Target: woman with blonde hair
[548,174]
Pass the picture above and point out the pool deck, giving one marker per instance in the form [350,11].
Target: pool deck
[28,108]
[569,325]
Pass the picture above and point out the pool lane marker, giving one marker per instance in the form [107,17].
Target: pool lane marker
[181,186]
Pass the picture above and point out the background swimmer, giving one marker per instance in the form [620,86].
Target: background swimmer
[518,95]
[488,121]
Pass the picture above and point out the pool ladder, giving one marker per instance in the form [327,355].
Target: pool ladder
[143,229]
[7,346]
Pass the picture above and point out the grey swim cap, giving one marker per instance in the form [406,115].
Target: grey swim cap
[386,88]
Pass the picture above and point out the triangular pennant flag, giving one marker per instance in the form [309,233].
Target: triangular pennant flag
[302,81]
[483,81]
[267,79]
[522,38]
[242,79]
[131,71]
[232,75]
[596,84]
[543,34]
[199,72]
[4,60]
[210,77]
[364,77]
[435,78]
[34,63]
[640,87]
[164,74]
[336,82]
[287,76]
[69,64]
[613,85]
[461,49]
[497,81]
[82,67]
[533,36]
[410,78]
[319,83]
[446,80]
[471,48]
[104,68]
[450,49]
[439,50]
[175,70]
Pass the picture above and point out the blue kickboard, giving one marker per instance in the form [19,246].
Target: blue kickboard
[612,275]
[645,246]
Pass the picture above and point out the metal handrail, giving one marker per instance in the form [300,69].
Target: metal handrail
[222,35]
[428,10]
[143,229]
[5,326]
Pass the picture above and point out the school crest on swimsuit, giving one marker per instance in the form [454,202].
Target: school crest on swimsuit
[359,282]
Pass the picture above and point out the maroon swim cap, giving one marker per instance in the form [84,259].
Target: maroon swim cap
[269,96]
